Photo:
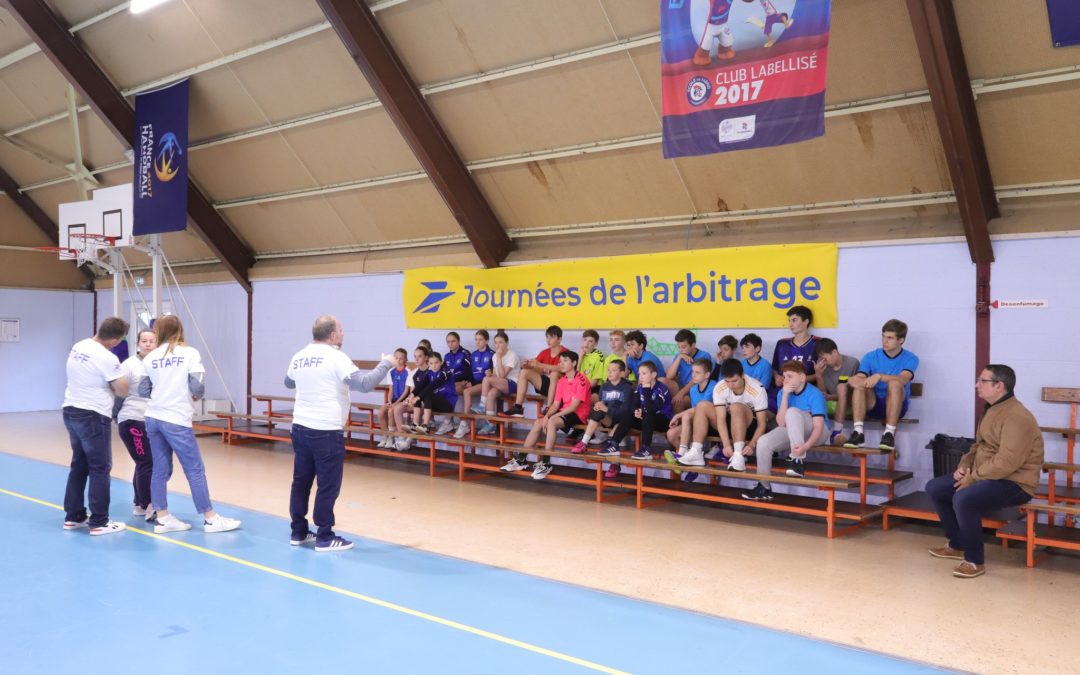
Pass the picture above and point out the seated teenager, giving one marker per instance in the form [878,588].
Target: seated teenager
[742,405]
[753,365]
[689,428]
[410,405]
[801,347]
[678,375]
[882,386]
[399,390]
[459,361]
[652,413]
[636,354]
[614,402]
[438,395]
[569,408]
[503,380]
[617,342]
[802,421]
[725,349]
[834,371]
[480,360]
[538,372]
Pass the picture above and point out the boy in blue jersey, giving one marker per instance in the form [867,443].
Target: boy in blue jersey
[725,349]
[459,361]
[882,386]
[689,428]
[399,378]
[802,421]
[636,354]
[615,396]
[753,365]
[652,412]
[680,372]
[437,395]
[801,347]
[480,360]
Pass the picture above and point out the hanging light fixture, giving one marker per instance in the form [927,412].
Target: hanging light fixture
[140,6]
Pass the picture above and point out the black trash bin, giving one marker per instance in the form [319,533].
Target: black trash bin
[947,452]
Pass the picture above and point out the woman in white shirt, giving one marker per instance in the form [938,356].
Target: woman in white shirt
[503,380]
[132,425]
[174,378]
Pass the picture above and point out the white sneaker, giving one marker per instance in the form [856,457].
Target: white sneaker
[151,514]
[220,523]
[714,451]
[514,465]
[692,457]
[446,427]
[403,444]
[170,523]
[599,438]
[737,462]
[70,525]
[111,527]
[386,442]
[138,511]
[541,470]
[462,429]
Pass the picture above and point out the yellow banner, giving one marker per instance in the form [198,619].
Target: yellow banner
[742,287]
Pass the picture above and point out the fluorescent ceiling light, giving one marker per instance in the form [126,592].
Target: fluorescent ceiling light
[140,6]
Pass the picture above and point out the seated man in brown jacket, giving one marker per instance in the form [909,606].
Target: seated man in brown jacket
[1001,469]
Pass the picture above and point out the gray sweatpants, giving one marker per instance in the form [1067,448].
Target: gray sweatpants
[798,425]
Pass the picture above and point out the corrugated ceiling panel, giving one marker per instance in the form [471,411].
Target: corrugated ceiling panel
[1003,37]
[220,105]
[872,51]
[255,166]
[30,269]
[1032,135]
[38,88]
[296,224]
[402,211]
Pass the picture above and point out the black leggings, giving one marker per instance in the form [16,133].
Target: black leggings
[435,403]
[649,423]
[133,434]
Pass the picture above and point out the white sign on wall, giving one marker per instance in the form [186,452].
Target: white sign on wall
[9,330]
[1020,304]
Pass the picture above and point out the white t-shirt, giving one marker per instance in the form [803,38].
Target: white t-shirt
[90,369]
[170,399]
[754,395]
[322,397]
[513,362]
[134,407]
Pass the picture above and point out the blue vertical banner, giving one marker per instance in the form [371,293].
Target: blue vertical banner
[1064,22]
[739,74]
[161,160]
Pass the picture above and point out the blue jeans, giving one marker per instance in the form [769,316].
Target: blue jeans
[91,458]
[961,511]
[165,439]
[319,454]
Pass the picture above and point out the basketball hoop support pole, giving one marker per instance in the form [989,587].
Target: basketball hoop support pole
[155,274]
[118,279]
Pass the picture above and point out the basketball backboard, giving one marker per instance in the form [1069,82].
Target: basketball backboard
[101,222]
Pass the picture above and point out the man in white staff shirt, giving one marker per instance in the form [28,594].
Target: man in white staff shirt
[322,376]
[94,379]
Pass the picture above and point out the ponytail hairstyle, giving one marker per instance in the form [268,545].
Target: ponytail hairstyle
[169,330]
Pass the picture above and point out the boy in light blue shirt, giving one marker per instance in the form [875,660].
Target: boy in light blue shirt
[882,386]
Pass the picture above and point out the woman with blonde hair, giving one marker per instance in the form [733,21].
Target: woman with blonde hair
[174,378]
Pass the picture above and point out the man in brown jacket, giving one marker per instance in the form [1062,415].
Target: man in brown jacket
[1001,469]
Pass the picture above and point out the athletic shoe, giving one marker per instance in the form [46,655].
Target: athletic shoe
[111,527]
[488,429]
[514,465]
[138,511]
[334,545]
[969,570]
[541,470]
[797,469]
[692,457]
[837,437]
[170,523]
[644,452]
[888,441]
[220,523]
[714,450]
[609,450]
[478,409]
[306,539]
[76,524]
[403,444]
[151,514]
[622,443]
[947,552]
[760,493]
[857,440]
[599,438]
[612,472]
[462,429]
[513,411]
[672,458]
[690,476]
[387,442]
[418,428]
[446,427]
[574,434]
[580,448]
[737,462]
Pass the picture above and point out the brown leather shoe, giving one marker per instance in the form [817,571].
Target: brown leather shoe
[947,552]
[968,570]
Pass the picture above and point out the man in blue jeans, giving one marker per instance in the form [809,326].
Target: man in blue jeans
[94,378]
[1001,469]
[322,376]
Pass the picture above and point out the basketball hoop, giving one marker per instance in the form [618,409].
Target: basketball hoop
[62,250]
[98,239]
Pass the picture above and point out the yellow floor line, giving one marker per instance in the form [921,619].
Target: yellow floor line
[356,596]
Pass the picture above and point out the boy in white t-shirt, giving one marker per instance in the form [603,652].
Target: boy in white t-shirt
[94,378]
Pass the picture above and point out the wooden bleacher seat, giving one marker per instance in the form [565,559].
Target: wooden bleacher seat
[1034,533]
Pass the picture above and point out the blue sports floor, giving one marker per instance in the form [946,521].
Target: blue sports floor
[247,602]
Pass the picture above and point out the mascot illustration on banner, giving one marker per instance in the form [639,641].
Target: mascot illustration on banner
[724,26]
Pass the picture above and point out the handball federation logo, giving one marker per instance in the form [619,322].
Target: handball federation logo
[436,295]
[167,162]
[698,90]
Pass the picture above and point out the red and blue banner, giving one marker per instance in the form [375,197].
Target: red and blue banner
[1064,22]
[739,74]
[161,160]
